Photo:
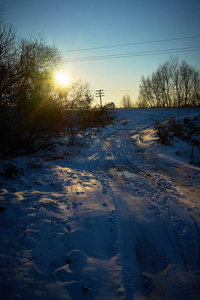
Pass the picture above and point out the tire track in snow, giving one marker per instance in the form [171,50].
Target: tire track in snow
[182,228]
[152,181]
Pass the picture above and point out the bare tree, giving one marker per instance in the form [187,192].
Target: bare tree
[7,61]
[165,74]
[35,64]
[79,95]
[196,82]
[173,83]
[156,85]
[146,97]
[126,101]
[186,73]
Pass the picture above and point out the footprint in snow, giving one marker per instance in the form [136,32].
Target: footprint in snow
[76,260]
[75,263]
[78,193]
[76,204]
[87,288]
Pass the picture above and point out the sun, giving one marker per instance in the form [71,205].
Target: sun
[62,78]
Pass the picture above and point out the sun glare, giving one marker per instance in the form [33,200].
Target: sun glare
[62,78]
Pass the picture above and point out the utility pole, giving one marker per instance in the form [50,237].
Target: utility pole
[100,93]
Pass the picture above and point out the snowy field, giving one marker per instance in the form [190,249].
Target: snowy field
[115,217]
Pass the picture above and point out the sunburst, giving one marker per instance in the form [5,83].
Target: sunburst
[62,78]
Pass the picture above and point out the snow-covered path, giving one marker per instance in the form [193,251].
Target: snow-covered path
[119,220]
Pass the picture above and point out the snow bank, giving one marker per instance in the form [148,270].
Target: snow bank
[115,218]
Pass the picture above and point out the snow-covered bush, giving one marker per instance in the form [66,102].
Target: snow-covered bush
[186,129]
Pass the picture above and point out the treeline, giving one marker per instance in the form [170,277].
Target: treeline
[173,84]
[30,101]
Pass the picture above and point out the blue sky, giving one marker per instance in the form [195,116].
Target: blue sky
[86,24]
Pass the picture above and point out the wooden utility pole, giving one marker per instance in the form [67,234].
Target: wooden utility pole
[100,93]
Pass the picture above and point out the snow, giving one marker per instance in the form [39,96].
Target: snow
[115,217]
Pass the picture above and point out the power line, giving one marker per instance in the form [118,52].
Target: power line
[121,90]
[132,54]
[132,44]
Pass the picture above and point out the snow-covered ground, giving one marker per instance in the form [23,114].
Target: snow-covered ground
[115,217]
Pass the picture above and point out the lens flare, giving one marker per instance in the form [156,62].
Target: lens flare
[62,78]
